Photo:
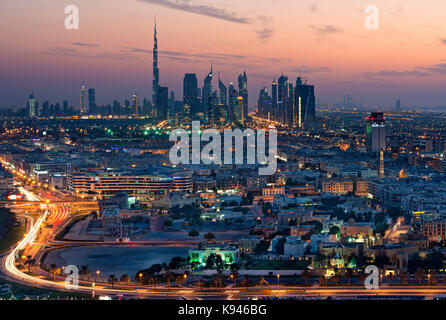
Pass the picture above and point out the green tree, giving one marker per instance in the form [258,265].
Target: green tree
[194,233]
[209,236]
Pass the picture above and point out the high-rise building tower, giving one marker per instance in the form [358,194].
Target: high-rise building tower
[243,92]
[207,92]
[156,71]
[190,93]
[92,101]
[375,132]
[223,93]
[283,92]
[305,103]
[31,106]
[135,105]
[83,99]
[162,103]
[381,164]
[398,105]
[274,99]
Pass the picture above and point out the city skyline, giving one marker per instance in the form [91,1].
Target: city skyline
[402,58]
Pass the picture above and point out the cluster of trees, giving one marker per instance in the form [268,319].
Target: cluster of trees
[191,213]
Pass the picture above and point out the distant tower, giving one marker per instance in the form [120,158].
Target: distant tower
[223,93]
[243,92]
[83,99]
[207,92]
[92,109]
[398,105]
[156,71]
[31,106]
[274,98]
[135,105]
[305,103]
[381,165]
[190,93]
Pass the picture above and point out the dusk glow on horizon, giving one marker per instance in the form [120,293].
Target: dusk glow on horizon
[324,42]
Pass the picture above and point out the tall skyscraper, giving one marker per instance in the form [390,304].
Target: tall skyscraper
[92,109]
[135,105]
[262,104]
[375,132]
[162,103]
[207,92]
[190,93]
[274,99]
[223,93]
[305,104]
[156,71]
[283,92]
[83,99]
[398,105]
[31,106]
[243,92]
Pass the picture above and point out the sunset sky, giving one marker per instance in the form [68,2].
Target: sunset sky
[324,41]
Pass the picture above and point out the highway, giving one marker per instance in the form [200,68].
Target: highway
[39,237]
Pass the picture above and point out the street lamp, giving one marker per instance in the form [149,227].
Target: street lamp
[232,278]
[185,279]
[278,278]
[140,278]
[98,273]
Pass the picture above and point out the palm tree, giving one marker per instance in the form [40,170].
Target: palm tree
[235,276]
[306,275]
[336,278]
[169,277]
[179,279]
[125,279]
[262,282]
[323,281]
[112,279]
[433,278]
[390,277]
[404,277]
[199,283]
[85,272]
[29,262]
[54,270]
[420,276]
[348,275]
[245,282]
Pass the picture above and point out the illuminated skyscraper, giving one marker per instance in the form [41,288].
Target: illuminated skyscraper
[375,132]
[274,98]
[92,109]
[135,105]
[31,106]
[156,71]
[243,92]
[83,99]
[223,93]
[207,92]
[190,93]
[283,93]
[162,103]
[305,104]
